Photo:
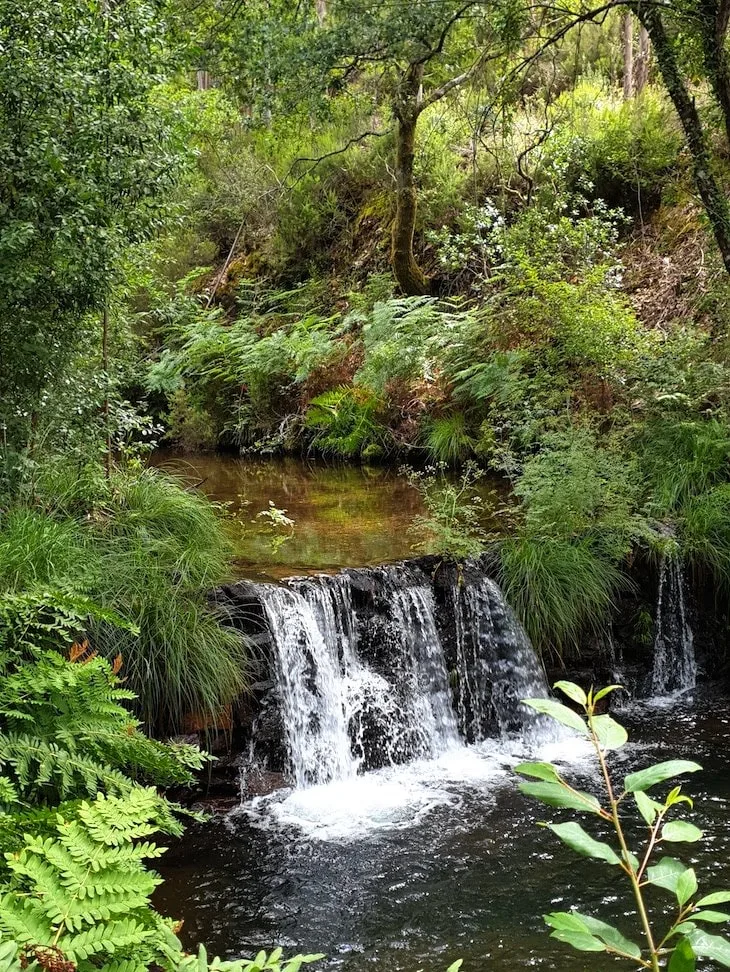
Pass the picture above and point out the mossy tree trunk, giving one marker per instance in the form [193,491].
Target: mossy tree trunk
[407,109]
[713,197]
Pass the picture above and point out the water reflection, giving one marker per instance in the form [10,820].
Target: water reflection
[344,516]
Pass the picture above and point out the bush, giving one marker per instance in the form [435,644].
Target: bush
[604,147]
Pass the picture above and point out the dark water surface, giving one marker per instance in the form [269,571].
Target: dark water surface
[344,516]
[412,868]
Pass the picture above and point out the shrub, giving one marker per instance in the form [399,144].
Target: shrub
[453,525]
[620,151]
[447,438]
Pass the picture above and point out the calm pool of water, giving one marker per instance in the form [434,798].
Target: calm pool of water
[411,868]
[344,516]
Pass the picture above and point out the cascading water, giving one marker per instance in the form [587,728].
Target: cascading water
[311,688]
[496,664]
[364,678]
[675,666]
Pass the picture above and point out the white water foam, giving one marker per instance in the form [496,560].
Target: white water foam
[399,797]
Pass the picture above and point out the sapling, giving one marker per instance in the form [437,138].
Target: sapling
[677,947]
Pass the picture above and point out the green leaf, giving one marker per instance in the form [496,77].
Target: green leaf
[573,691]
[679,831]
[579,940]
[666,873]
[648,808]
[578,840]
[686,886]
[558,795]
[570,928]
[611,734]
[611,936]
[710,946]
[561,713]
[601,693]
[683,958]
[455,966]
[716,917]
[542,771]
[658,774]
[717,897]
[569,924]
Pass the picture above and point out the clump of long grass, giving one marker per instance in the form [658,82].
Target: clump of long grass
[559,588]
[705,533]
[447,438]
[147,549]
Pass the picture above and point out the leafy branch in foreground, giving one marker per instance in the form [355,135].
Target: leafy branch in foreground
[685,940]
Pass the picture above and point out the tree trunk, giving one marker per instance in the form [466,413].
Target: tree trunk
[714,199]
[627,35]
[713,32]
[642,62]
[321,8]
[411,279]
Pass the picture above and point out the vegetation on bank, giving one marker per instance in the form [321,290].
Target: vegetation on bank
[413,231]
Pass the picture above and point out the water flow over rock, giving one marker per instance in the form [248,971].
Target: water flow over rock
[376,667]
[675,667]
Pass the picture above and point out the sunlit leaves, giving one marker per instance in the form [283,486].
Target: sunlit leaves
[557,795]
[648,808]
[610,734]
[666,873]
[710,946]
[541,771]
[652,775]
[686,886]
[573,691]
[578,840]
[717,897]
[679,831]
[561,713]
[588,934]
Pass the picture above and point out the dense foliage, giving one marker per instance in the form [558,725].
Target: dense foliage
[425,231]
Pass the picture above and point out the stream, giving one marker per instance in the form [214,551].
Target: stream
[433,854]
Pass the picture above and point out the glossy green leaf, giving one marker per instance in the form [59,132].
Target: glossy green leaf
[561,713]
[679,831]
[578,840]
[686,886]
[648,808]
[558,795]
[455,966]
[710,946]
[652,775]
[571,923]
[666,873]
[715,917]
[573,691]
[602,693]
[580,940]
[611,734]
[717,897]
[683,958]
[541,771]
[611,936]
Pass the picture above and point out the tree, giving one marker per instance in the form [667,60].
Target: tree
[87,155]
[407,54]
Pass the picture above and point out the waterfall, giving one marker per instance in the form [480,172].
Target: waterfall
[496,663]
[675,668]
[311,689]
[376,667]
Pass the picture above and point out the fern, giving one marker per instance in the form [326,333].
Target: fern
[64,733]
[85,892]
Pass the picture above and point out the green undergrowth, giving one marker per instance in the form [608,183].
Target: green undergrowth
[139,554]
